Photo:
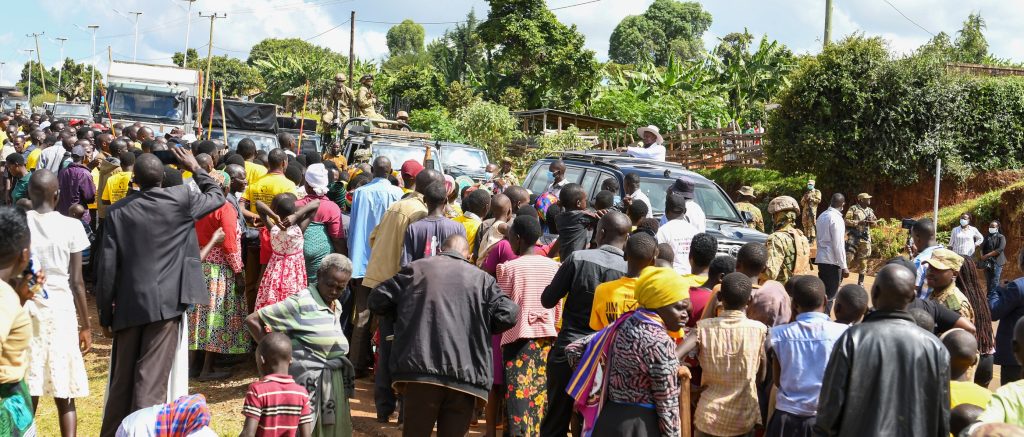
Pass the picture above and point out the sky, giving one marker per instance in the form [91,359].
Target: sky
[164,24]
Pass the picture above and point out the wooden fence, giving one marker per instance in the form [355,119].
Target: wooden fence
[714,148]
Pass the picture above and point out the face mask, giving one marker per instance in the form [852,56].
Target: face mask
[551,176]
[810,187]
[963,222]
[993,230]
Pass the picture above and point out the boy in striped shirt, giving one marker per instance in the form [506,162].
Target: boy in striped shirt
[275,405]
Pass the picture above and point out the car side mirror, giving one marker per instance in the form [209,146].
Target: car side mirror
[747,216]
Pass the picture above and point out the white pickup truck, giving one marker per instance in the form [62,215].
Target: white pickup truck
[161,97]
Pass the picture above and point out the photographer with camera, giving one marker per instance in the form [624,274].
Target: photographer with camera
[992,256]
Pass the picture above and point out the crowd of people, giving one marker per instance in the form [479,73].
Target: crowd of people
[542,313]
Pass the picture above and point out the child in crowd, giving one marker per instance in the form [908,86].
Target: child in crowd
[769,303]
[77,211]
[423,237]
[700,296]
[604,200]
[285,274]
[474,208]
[666,256]
[851,304]
[575,223]
[963,354]
[275,405]
[800,354]
[703,249]
[612,299]
[637,211]
[731,354]
[677,232]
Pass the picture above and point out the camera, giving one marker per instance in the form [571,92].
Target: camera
[908,224]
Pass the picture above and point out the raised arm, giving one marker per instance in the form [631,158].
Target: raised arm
[210,197]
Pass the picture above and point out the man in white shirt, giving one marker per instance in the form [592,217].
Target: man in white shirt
[635,194]
[831,257]
[652,147]
[677,232]
[694,213]
[556,173]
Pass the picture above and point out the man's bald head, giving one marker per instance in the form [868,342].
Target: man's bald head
[426,178]
[501,206]
[145,134]
[205,161]
[615,227]
[381,167]
[893,289]
[838,201]
[963,351]
[149,171]
[42,188]
[456,243]
[517,196]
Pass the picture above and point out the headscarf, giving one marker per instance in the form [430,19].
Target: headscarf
[659,287]
[183,416]
[449,184]
[463,182]
[316,177]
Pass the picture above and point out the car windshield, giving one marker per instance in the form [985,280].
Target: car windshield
[72,111]
[145,104]
[398,154]
[10,105]
[309,143]
[265,142]
[472,160]
[714,204]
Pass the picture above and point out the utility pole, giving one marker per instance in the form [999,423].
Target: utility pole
[828,23]
[209,51]
[188,30]
[2,71]
[92,81]
[135,49]
[29,79]
[60,67]
[39,58]
[351,47]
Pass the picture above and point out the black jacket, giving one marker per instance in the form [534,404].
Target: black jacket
[444,311]
[149,258]
[886,377]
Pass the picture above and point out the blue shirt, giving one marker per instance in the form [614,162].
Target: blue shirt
[923,290]
[803,349]
[369,202]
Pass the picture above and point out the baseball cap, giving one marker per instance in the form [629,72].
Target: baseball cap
[863,196]
[945,259]
[411,168]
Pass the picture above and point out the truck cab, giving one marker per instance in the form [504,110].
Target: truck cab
[160,97]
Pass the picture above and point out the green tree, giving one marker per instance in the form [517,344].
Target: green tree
[75,79]
[290,47]
[939,47]
[37,81]
[436,121]
[417,86]
[406,38]
[971,45]
[751,78]
[531,50]
[487,125]
[234,77]
[667,27]
[459,53]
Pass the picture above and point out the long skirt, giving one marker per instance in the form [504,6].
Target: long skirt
[526,384]
[220,326]
[316,246]
[56,368]
[16,410]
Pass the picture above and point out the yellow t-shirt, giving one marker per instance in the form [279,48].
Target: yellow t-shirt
[266,188]
[186,175]
[472,225]
[254,171]
[95,183]
[967,392]
[33,158]
[117,187]
[611,300]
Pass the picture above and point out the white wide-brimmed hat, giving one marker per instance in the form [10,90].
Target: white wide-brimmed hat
[652,129]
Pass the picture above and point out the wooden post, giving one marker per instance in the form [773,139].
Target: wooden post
[689,121]
[559,124]
[544,123]
[302,121]
[223,116]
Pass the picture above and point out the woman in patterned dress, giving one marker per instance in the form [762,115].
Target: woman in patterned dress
[216,328]
[285,274]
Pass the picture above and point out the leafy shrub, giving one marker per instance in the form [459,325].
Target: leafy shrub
[487,125]
[437,122]
[888,238]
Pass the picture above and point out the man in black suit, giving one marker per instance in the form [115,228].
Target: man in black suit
[149,274]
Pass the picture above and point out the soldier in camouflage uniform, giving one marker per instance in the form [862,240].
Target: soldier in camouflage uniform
[943,266]
[859,219]
[745,202]
[343,98]
[809,206]
[366,100]
[788,248]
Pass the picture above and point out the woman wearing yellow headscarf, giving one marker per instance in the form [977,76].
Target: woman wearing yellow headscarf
[632,364]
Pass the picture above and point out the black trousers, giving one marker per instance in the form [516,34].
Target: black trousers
[383,395]
[140,364]
[831,275]
[451,410]
[1008,374]
[785,424]
[983,373]
[555,422]
[361,353]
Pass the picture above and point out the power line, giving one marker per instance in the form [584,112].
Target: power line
[908,18]
[574,5]
[328,30]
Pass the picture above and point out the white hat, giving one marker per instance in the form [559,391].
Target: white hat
[316,177]
[652,129]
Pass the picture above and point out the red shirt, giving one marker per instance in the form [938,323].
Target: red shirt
[224,217]
[699,297]
[327,213]
[279,404]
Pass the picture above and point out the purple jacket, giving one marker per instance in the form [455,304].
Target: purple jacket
[76,186]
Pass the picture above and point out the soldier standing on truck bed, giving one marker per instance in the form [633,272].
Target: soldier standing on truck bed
[366,100]
[859,219]
[809,206]
[343,98]
[789,252]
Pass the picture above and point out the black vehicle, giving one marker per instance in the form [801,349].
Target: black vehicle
[311,140]
[591,169]
[256,121]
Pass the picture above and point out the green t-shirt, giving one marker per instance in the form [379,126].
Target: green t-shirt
[20,189]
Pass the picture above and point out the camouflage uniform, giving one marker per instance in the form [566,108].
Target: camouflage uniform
[809,208]
[758,222]
[367,102]
[781,253]
[955,300]
[343,101]
[860,250]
